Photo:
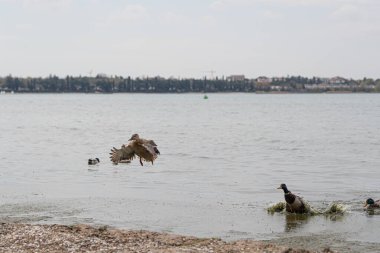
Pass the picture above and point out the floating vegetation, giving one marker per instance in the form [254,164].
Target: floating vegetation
[333,208]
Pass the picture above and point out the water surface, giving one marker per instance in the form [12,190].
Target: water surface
[221,162]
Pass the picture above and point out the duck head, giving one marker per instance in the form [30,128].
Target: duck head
[283,187]
[369,202]
[93,161]
[134,137]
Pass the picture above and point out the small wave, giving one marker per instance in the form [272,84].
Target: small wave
[171,172]
[204,157]
[236,232]
[179,154]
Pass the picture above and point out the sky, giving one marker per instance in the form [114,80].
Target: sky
[190,38]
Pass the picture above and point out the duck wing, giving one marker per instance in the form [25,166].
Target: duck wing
[124,153]
[151,142]
[145,151]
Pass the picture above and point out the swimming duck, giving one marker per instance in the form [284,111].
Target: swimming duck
[92,161]
[371,204]
[145,149]
[294,203]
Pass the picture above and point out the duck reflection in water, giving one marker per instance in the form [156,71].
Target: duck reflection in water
[295,221]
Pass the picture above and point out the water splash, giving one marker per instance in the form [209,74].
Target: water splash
[336,208]
[373,211]
[333,208]
[277,207]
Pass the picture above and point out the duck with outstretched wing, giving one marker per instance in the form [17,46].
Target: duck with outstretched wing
[145,149]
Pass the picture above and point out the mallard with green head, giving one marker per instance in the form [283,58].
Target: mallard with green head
[294,203]
[371,204]
[145,149]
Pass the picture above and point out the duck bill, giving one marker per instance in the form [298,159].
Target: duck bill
[279,187]
[365,205]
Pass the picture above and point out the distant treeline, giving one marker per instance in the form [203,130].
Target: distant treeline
[111,84]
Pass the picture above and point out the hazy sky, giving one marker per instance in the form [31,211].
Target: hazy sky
[190,38]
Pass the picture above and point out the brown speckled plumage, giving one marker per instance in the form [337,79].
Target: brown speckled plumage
[145,149]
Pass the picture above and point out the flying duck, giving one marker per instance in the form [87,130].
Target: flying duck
[145,149]
[371,204]
[294,203]
[92,161]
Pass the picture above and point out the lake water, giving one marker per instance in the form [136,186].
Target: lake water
[221,162]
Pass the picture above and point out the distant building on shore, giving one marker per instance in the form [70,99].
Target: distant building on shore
[337,80]
[263,80]
[331,83]
[235,78]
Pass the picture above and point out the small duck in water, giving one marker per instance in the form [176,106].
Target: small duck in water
[92,161]
[371,204]
[294,203]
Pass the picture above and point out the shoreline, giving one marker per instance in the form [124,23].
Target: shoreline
[193,92]
[21,237]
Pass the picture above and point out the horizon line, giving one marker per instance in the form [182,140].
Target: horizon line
[208,77]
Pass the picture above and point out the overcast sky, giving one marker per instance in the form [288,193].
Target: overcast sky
[190,38]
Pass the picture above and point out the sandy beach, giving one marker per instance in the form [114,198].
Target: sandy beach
[17,237]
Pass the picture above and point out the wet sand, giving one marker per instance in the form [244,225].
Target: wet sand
[17,237]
